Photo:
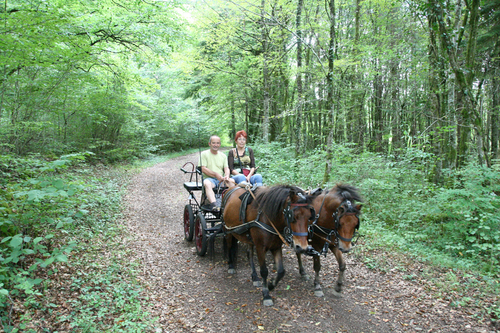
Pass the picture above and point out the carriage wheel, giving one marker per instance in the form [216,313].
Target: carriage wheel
[200,235]
[188,223]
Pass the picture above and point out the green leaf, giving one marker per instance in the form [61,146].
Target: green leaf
[35,195]
[16,241]
[6,239]
[33,267]
[62,258]
[62,193]
[36,281]
[48,261]
[58,183]
[50,190]
[81,213]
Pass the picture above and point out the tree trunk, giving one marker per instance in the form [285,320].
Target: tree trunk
[495,115]
[330,106]
[378,122]
[265,75]
[299,141]
[465,75]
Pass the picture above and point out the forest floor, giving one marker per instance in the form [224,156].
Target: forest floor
[189,293]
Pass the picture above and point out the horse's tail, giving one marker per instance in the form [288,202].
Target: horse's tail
[226,248]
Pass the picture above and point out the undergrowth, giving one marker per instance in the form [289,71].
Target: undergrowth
[63,268]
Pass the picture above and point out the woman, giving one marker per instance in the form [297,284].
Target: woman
[242,162]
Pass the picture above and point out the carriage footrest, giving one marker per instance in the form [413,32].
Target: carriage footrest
[215,229]
[193,186]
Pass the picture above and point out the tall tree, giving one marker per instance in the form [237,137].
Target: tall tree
[299,141]
[462,61]
[330,106]
[265,72]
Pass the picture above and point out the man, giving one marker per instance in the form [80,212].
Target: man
[215,168]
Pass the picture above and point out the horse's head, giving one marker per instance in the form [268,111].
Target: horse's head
[339,215]
[346,224]
[298,214]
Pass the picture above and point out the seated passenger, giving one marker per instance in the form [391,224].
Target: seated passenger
[215,169]
[241,162]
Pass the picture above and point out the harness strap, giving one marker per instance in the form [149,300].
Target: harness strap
[242,228]
[328,232]
[324,230]
[226,196]
[245,201]
[320,208]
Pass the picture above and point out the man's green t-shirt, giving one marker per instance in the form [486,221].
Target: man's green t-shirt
[215,162]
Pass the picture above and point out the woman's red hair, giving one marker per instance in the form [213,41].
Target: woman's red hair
[240,133]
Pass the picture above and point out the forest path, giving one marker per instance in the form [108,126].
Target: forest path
[189,293]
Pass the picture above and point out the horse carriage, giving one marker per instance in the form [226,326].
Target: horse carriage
[200,224]
[265,218]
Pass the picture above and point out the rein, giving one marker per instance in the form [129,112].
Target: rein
[288,212]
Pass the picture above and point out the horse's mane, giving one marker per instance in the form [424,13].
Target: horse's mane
[271,201]
[346,192]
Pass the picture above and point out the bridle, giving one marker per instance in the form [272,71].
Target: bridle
[289,213]
[347,211]
[346,208]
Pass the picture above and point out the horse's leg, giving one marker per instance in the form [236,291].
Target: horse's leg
[261,255]
[255,278]
[232,245]
[342,266]
[302,271]
[317,285]
[278,261]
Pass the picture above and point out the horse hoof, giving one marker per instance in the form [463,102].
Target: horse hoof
[257,283]
[319,293]
[268,302]
[231,271]
[337,294]
[305,277]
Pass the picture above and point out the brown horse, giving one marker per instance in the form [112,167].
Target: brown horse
[277,215]
[334,228]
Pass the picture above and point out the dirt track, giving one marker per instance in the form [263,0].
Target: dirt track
[189,293]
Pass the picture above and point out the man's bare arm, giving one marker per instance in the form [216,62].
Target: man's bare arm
[211,173]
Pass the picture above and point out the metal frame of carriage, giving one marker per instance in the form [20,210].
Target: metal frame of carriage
[200,224]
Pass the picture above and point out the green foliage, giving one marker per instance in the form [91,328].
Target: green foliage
[74,85]
[46,210]
[468,222]
[36,206]
[456,223]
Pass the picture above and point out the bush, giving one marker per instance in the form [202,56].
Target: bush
[459,219]
[35,206]
[469,223]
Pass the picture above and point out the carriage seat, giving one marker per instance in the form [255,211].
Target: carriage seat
[193,186]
